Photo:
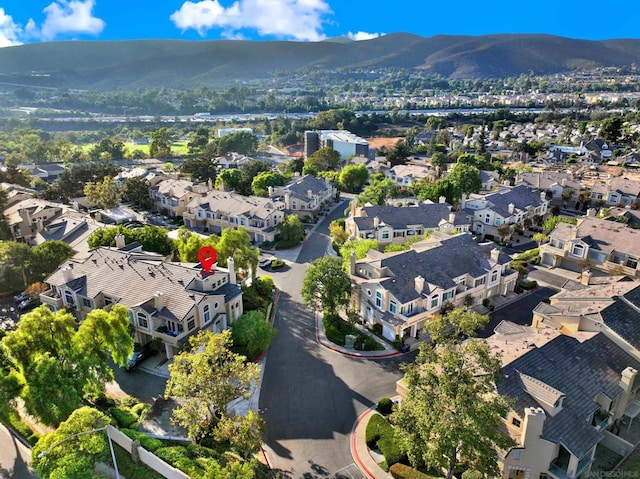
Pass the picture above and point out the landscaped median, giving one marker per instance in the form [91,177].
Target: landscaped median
[337,329]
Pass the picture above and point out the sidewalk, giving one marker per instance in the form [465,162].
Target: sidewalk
[360,451]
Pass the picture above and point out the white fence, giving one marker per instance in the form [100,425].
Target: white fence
[147,458]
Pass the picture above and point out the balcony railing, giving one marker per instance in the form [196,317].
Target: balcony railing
[560,472]
[51,297]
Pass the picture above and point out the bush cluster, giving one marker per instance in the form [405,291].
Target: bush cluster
[381,434]
[402,471]
[124,417]
[151,444]
[385,406]
[335,328]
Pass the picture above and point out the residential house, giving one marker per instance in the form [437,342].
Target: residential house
[624,215]
[393,224]
[401,290]
[560,184]
[304,195]
[166,301]
[510,205]
[27,217]
[596,243]
[618,191]
[171,196]
[598,150]
[71,227]
[406,175]
[48,172]
[490,180]
[217,210]
[570,397]
[16,193]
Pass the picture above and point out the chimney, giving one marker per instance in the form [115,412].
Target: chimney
[543,195]
[39,224]
[495,254]
[231,266]
[120,241]
[67,274]
[452,218]
[442,199]
[627,381]
[270,189]
[158,300]
[511,208]
[352,206]
[209,184]
[352,263]
[376,222]
[463,201]
[506,183]
[309,194]
[591,213]
[574,232]
[419,284]
[532,426]
[564,182]
[585,277]
[75,205]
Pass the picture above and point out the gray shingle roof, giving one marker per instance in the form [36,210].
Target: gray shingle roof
[428,215]
[520,196]
[581,371]
[624,320]
[300,186]
[133,282]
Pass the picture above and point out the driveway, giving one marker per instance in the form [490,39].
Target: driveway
[311,396]
[139,384]
[519,312]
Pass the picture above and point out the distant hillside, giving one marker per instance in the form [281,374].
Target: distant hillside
[145,63]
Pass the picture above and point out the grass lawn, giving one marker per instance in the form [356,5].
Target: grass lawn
[129,469]
[178,148]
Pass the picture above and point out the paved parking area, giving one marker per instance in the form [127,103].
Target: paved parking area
[8,314]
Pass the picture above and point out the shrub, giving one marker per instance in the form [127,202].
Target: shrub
[528,284]
[151,444]
[402,471]
[528,255]
[472,474]
[377,328]
[252,332]
[486,302]
[385,405]
[196,450]
[123,417]
[140,409]
[389,447]
[374,426]
[128,401]
[177,456]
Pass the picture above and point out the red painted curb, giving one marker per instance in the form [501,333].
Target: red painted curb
[354,449]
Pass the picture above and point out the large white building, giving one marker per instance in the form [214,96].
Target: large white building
[344,142]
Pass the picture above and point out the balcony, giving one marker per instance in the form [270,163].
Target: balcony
[560,471]
[52,298]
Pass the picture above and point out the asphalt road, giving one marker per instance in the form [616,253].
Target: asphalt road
[311,396]
[139,384]
[519,312]
[14,457]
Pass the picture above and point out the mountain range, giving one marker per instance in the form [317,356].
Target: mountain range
[131,64]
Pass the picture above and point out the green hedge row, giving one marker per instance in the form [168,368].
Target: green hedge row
[402,471]
[124,417]
[381,434]
[151,444]
[13,419]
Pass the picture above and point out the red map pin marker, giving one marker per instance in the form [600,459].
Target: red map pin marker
[207,256]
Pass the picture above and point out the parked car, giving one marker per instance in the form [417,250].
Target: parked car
[139,355]
[21,297]
[27,304]
[277,263]
[265,263]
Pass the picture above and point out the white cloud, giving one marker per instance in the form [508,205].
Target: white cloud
[363,35]
[297,19]
[69,16]
[9,31]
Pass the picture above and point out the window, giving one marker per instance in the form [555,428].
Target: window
[577,250]
[632,263]
[368,292]
[494,276]
[498,221]
[142,321]
[447,295]
[175,327]
[378,299]
[516,422]
[463,282]
[597,255]
[480,281]
[216,305]
[87,303]
[434,301]
[385,235]
[68,298]
[393,307]
[207,313]
[191,323]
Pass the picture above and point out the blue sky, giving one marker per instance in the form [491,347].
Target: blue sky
[29,21]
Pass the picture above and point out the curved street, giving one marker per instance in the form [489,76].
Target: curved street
[312,396]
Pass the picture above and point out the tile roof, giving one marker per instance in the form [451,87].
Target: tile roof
[233,204]
[522,197]
[133,281]
[607,236]
[298,187]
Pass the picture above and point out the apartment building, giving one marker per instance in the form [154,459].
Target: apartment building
[305,195]
[171,196]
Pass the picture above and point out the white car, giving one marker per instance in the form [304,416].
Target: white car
[265,263]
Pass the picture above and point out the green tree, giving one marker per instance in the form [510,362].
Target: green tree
[58,364]
[152,238]
[263,180]
[353,177]
[550,223]
[439,162]
[136,190]
[67,452]
[46,258]
[252,332]
[540,238]
[244,433]
[399,153]
[200,169]
[248,172]
[378,190]
[504,230]
[464,179]
[357,246]
[291,228]
[103,194]
[242,142]
[229,179]
[206,379]
[611,129]
[5,232]
[325,159]
[235,243]
[451,414]
[16,266]
[160,145]
[198,141]
[337,232]
[327,284]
